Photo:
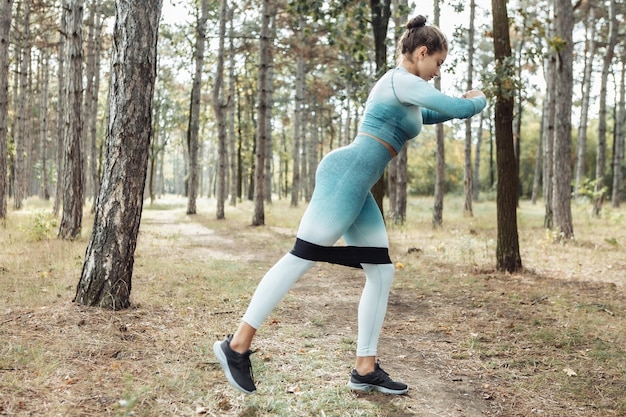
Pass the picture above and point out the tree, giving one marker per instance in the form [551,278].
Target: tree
[589,54]
[562,195]
[5,29]
[599,190]
[507,250]
[72,218]
[467,172]
[194,108]
[440,173]
[380,13]
[264,111]
[22,134]
[107,270]
[620,130]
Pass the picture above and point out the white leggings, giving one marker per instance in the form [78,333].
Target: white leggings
[341,205]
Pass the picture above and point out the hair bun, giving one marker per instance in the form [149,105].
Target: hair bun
[416,22]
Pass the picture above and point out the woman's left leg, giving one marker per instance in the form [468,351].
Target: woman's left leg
[369,230]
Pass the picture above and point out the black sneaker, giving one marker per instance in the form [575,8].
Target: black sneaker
[236,366]
[378,380]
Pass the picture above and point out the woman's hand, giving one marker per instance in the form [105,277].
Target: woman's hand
[473,93]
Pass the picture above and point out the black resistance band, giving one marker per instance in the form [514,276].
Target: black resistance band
[352,256]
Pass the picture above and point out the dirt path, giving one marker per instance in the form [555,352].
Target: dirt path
[410,348]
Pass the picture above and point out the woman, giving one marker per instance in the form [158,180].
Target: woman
[343,206]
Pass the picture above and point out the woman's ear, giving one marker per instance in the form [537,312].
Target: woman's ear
[421,52]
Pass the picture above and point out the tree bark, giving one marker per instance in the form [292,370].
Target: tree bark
[507,251]
[72,218]
[380,12]
[194,107]
[22,137]
[5,29]
[106,276]
[440,173]
[264,108]
[590,50]
[564,19]
[600,187]
[618,155]
[467,172]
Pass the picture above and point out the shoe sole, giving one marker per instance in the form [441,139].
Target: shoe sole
[369,388]
[221,357]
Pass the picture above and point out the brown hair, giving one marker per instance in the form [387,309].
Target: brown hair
[418,34]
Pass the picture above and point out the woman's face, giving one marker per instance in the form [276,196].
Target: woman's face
[427,66]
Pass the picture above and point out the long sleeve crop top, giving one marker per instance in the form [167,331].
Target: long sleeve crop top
[400,103]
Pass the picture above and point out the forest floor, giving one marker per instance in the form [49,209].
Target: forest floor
[468,340]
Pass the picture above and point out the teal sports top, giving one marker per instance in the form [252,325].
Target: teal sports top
[400,103]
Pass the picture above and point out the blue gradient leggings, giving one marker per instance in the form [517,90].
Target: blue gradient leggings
[341,205]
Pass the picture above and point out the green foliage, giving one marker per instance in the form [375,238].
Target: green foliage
[40,227]
[587,189]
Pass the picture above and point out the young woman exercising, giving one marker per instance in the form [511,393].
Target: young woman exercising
[343,206]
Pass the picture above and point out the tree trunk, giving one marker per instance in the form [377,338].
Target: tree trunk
[61,110]
[106,276]
[537,176]
[467,172]
[72,219]
[440,173]
[91,126]
[600,186]
[232,137]
[564,18]
[589,54]
[397,169]
[476,175]
[43,119]
[618,155]
[5,29]
[264,111]
[22,137]
[194,107]
[298,133]
[548,152]
[380,12]
[507,251]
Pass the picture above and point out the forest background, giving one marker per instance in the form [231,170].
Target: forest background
[311,64]
[323,67]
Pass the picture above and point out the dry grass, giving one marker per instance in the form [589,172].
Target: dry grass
[469,341]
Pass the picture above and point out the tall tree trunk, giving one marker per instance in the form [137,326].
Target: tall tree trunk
[549,126]
[263,112]
[90,70]
[600,183]
[537,176]
[507,251]
[476,175]
[467,172]
[92,125]
[106,276]
[590,50]
[72,218]
[440,173]
[397,168]
[5,29]
[618,155]
[232,136]
[43,119]
[22,137]
[380,12]
[194,107]
[298,133]
[564,18]
[61,110]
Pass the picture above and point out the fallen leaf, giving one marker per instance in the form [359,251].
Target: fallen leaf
[570,372]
